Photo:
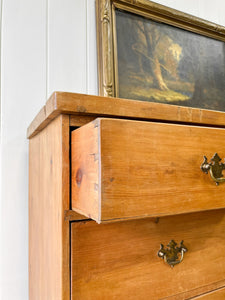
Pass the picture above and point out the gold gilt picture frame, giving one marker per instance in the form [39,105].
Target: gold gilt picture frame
[150,52]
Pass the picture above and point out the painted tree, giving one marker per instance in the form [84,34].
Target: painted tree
[160,52]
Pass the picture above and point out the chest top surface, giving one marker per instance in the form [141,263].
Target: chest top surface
[97,106]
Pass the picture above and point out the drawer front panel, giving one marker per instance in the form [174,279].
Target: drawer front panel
[129,169]
[119,260]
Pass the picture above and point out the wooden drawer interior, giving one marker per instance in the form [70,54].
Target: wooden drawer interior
[124,169]
[119,260]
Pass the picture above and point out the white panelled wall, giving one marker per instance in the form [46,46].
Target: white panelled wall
[46,45]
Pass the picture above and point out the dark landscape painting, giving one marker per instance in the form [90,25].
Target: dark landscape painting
[161,63]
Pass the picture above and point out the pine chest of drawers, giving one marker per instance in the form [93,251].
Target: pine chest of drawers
[122,202]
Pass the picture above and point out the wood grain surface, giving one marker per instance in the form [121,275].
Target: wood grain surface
[144,169]
[49,240]
[119,260]
[214,295]
[85,154]
[198,292]
[80,104]
[77,121]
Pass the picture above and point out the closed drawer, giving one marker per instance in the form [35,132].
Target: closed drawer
[129,169]
[119,260]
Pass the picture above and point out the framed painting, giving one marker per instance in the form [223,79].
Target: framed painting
[150,52]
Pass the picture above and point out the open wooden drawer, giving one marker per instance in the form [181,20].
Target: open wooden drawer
[119,260]
[123,169]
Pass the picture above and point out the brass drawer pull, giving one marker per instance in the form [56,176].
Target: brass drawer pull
[173,255]
[214,168]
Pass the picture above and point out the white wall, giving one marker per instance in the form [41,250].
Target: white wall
[23,81]
[213,11]
[46,45]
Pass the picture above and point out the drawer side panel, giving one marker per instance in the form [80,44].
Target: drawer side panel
[86,161]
